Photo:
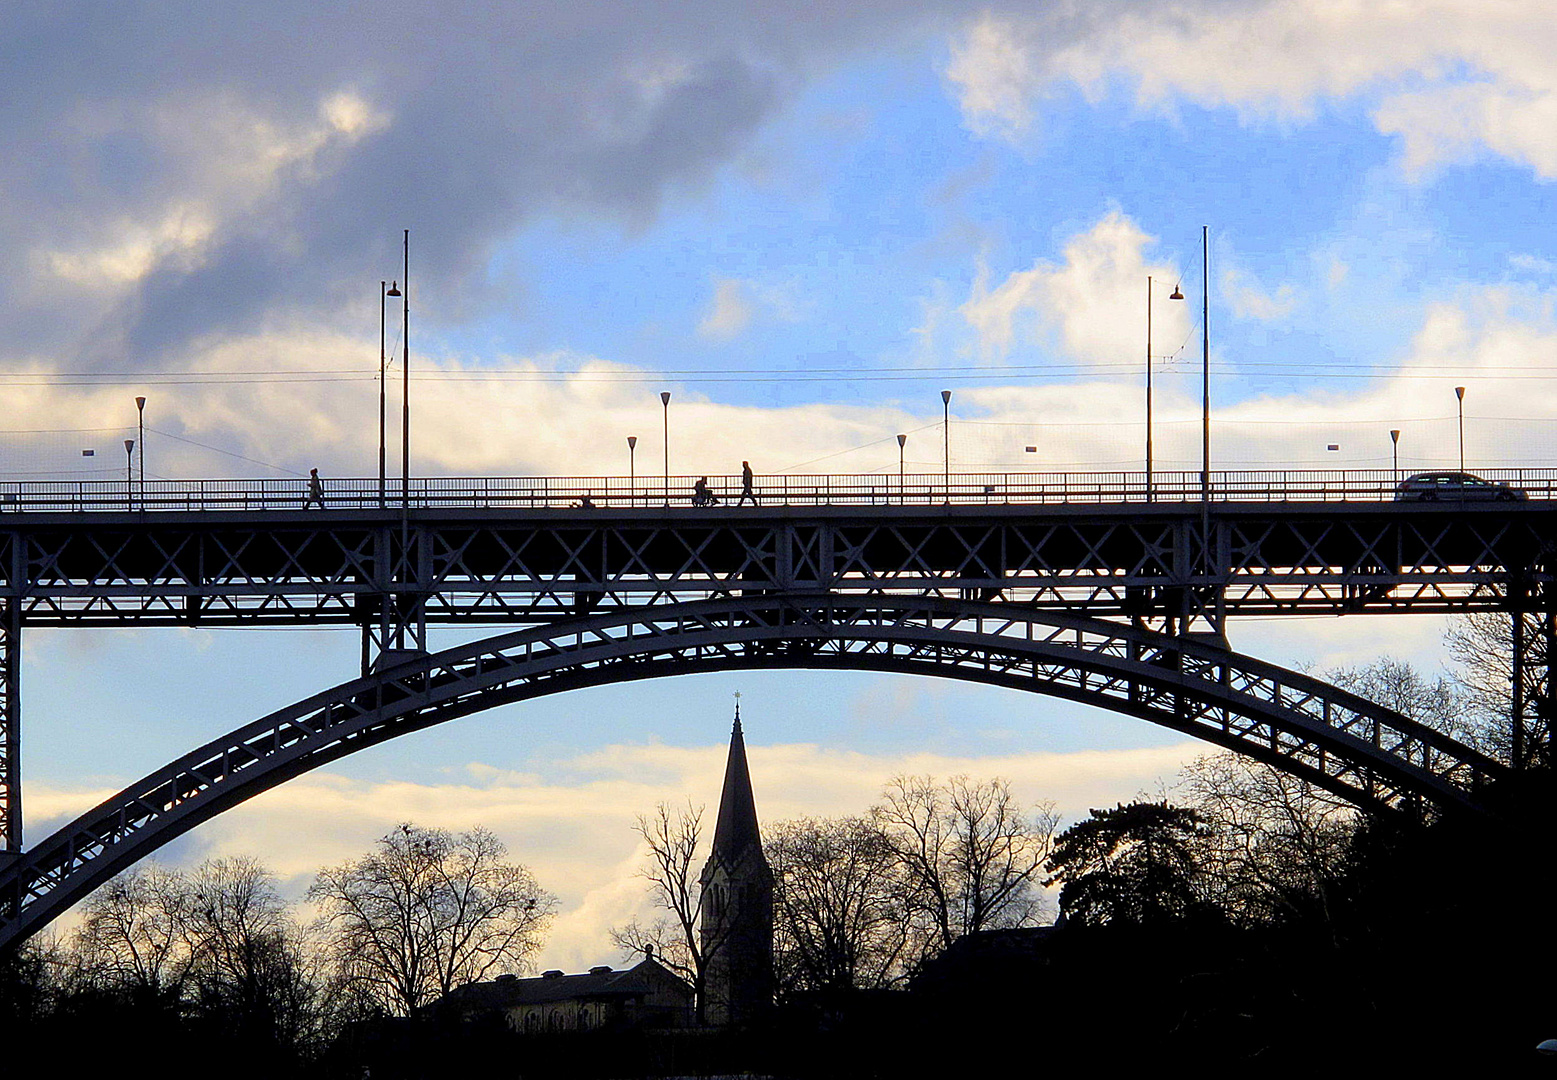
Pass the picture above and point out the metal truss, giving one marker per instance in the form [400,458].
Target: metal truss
[1349,745]
[393,575]
[10,730]
[1533,647]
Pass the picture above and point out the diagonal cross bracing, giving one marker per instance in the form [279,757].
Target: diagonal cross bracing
[471,566]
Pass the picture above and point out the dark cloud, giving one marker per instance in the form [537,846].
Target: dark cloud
[117,116]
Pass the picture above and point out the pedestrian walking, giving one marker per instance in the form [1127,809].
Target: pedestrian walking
[746,488]
[315,490]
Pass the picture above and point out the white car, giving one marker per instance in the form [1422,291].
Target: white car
[1455,487]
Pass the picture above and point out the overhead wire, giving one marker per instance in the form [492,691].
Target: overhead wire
[878,373]
[229,453]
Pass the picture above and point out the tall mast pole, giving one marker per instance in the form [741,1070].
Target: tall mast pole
[405,380]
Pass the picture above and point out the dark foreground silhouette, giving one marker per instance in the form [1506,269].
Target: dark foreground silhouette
[1431,950]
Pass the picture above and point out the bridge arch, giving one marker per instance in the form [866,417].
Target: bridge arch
[1351,746]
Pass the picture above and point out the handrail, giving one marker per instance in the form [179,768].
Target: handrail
[789,489]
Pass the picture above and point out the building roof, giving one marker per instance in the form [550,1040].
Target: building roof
[601,983]
[736,829]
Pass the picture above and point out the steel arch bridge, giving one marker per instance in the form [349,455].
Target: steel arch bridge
[1351,746]
[1119,604]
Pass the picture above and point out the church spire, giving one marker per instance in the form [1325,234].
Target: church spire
[736,828]
[735,907]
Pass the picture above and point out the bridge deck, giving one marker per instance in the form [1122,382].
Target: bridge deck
[489,564]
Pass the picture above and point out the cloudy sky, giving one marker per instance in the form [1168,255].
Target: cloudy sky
[804,220]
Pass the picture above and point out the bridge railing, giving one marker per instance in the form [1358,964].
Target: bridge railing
[820,489]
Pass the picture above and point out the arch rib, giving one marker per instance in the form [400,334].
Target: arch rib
[1349,745]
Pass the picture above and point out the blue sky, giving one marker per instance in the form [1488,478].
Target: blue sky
[804,223]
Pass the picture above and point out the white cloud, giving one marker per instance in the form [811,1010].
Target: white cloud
[1442,125]
[1251,300]
[730,312]
[235,157]
[1497,341]
[1532,264]
[554,414]
[1450,77]
[737,303]
[1094,300]
[997,75]
[131,251]
[567,415]
[1336,273]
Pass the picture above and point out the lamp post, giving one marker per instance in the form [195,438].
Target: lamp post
[946,444]
[632,467]
[385,290]
[129,473]
[405,379]
[1176,295]
[1205,374]
[140,409]
[1459,394]
[1394,454]
[901,439]
[665,403]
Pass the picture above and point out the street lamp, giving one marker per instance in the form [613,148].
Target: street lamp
[140,409]
[1394,454]
[1205,378]
[665,403]
[129,473]
[392,289]
[946,444]
[1176,295]
[405,379]
[632,467]
[901,439]
[1459,394]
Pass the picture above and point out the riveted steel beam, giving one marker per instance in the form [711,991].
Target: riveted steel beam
[10,729]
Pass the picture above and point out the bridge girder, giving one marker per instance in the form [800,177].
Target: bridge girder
[470,566]
[1344,743]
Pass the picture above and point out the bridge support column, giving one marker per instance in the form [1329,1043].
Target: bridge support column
[1201,569]
[10,730]
[394,617]
[1545,704]
[1531,685]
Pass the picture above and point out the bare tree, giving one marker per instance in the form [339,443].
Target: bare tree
[133,935]
[1439,703]
[1274,844]
[1482,644]
[427,911]
[248,964]
[33,981]
[971,854]
[672,836]
[842,912]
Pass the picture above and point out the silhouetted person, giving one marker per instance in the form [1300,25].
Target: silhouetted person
[746,489]
[315,490]
[586,503]
[701,496]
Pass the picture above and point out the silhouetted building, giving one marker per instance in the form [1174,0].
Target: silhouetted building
[987,958]
[648,995]
[736,916]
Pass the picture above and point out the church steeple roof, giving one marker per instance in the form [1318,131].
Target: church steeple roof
[736,829]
